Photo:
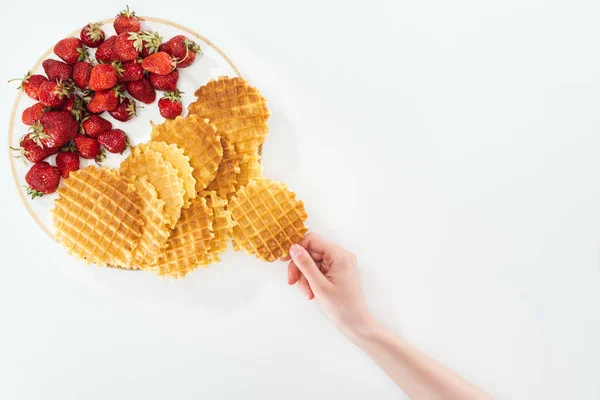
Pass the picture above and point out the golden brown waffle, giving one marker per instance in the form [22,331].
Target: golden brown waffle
[269,219]
[237,109]
[180,162]
[222,225]
[155,231]
[97,216]
[225,182]
[161,175]
[200,142]
[250,168]
[189,241]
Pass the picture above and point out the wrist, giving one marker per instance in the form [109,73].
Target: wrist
[363,330]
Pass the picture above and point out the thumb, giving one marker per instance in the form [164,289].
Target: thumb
[306,265]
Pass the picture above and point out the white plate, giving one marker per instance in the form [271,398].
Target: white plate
[212,64]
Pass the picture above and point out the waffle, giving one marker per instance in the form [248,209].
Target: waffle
[97,216]
[225,182]
[200,142]
[237,109]
[161,175]
[222,226]
[189,241]
[155,231]
[180,162]
[250,168]
[269,219]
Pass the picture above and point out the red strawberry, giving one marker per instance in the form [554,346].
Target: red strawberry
[167,83]
[55,129]
[126,21]
[81,74]
[128,46]
[31,150]
[92,35]
[170,105]
[160,63]
[104,100]
[125,111]
[115,141]
[76,106]
[106,52]
[142,90]
[67,162]
[42,178]
[102,77]
[53,94]
[70,50]
[151,41]
[131,71]
[31,84]
[57,70]
[89,148]
[95,125]
[33,113]
[183,49]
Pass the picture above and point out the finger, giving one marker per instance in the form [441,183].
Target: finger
[304,287]
[307,266]
[294,273]
[286,258]
[315,243]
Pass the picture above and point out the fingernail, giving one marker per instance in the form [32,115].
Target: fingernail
[295,250]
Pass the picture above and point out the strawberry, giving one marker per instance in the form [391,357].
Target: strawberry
[53,94]
[70,50]
[115,141]
[151,42]
[67,161]
[128,46]
[160,63]
[89,148]
[57,70]
[32,151]
[33,113]
[131,71]
[54,129]
[102,77]
[76,106]
[167,83]
[31,84]
[104,100]
[81,74]
[106,52]
[125,111]
[92,35]
[170,105]
[42,178]
[142,90]
[126,21]
[95,125]
[183,49]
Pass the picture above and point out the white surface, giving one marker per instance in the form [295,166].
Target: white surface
[452,145]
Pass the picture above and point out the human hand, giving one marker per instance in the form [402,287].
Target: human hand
[329,273]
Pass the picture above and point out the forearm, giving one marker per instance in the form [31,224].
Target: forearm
[418,375]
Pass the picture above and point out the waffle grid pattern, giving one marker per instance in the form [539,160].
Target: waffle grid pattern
[225,182]
[222,224]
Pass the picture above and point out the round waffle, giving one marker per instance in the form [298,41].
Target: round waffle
[225,182]
[155,231]
[161,174]
[237,109]
[222,225]
[250,168]
[173,154]
[269,219]
[97,216]
[189,242]
[200,142]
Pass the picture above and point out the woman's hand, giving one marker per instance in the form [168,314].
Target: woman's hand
[328,273]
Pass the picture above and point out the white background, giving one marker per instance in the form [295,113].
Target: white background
[453,146]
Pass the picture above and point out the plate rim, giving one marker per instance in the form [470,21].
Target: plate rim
[37,66]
